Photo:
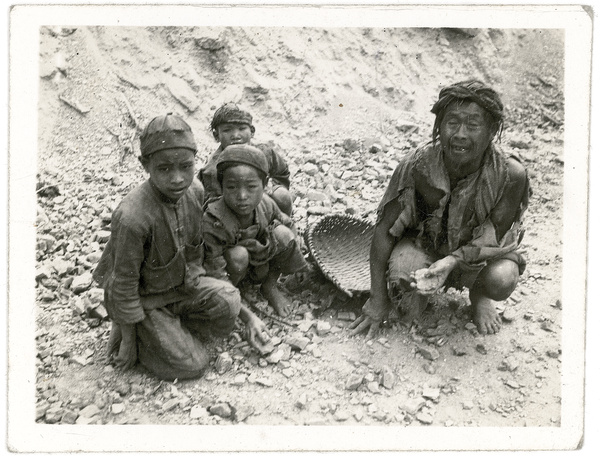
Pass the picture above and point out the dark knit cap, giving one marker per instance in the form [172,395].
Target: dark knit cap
[166,132]
[471,90]
[230,113]
[242,154]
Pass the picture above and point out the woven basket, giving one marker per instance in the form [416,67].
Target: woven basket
[340,245]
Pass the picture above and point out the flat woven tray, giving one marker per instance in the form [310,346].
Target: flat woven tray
[340,245]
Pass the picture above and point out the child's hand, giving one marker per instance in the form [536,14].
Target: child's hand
[114,340]
[121,343]
[257,334]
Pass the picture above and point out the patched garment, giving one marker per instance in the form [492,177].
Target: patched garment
[155,253]
[223,231]
[453,222]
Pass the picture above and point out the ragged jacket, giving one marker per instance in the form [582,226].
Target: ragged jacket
[155,252]
[465,230]
[222,231]
[279,172]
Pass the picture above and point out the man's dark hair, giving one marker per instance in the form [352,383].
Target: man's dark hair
[466,91]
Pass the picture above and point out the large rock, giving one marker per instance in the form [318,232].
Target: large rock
[221,409]
[197,412]
[388,379]
[431,393]
[82,283]
[310,168]
[224,363]
[102,236]
[429,353]
[354,381]
[413,405]
[54,415]
[323,327]
[297,343]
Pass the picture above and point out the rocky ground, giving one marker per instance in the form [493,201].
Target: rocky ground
[343,104]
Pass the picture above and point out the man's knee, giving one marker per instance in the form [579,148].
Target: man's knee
[405,258]
[499,279]
[237,259]
[283,235]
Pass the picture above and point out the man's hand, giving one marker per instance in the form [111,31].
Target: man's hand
[379,306]
[428,280]
[257,334]
[121,348]
[362,323]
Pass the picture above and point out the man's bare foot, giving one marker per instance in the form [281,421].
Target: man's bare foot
[485,316]
[276,298]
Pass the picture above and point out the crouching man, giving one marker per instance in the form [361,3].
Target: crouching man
[451,215]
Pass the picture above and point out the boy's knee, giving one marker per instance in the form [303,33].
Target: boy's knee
[283,235]
[229,302]
[499,279]
[192,367]
[237,259]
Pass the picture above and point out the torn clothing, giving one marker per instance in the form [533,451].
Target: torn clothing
[453,221]
[279,173]
[222,231]
[408,256]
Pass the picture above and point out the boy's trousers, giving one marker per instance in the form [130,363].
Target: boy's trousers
[170,337]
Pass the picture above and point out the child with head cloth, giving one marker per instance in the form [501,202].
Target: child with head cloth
[246,235]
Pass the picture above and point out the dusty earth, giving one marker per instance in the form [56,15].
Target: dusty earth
[344,105]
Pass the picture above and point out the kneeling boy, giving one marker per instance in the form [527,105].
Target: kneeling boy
[157,293]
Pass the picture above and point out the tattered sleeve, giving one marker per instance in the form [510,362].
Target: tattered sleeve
[485,245]
[402,189]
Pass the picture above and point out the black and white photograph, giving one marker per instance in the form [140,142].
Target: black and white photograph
[280,228]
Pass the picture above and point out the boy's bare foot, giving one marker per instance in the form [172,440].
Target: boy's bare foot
[485,316]
[276,298]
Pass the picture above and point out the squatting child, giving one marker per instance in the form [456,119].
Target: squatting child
[157,294]
[231,125]
[246,234]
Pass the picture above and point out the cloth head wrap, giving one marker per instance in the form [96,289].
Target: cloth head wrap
[471,90]
[242,154]
[166,132]
[231,113]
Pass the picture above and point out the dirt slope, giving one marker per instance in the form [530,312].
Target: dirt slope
[343,104]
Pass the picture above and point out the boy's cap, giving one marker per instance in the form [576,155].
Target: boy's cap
[243,154]
[230,113]
[166,132]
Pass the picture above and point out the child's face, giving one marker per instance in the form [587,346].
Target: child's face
[234,133]
[242,189]
[171,171]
